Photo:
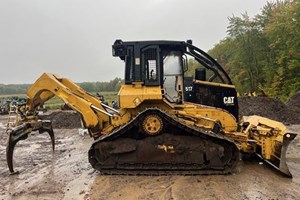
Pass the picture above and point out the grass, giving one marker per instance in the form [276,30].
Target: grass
[12,95]
[56,103]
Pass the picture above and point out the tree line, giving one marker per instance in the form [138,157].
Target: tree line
[113,85]
[263,53]
[260,53]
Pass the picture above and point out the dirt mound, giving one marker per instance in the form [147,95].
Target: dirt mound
[268,107]
[63,119]
[294,102]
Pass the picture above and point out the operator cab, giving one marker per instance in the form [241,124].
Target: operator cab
[154,63]
[164,64]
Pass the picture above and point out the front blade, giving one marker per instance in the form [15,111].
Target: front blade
[288,137]
[279,161]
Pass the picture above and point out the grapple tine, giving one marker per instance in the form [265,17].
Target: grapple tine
[21,133]
[16,134]
[51,133]
[47,127]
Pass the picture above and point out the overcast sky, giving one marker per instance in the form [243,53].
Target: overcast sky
[73,38]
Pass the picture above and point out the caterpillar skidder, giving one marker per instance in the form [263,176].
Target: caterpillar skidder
[167,123]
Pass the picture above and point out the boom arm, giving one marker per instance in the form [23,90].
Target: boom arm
[95,117]
[49,85]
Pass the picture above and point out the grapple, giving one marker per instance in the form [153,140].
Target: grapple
[21,132]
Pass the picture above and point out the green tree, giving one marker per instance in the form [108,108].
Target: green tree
[263,52]
[283,32]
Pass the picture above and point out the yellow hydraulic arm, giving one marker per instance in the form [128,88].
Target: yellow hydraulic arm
[95,114]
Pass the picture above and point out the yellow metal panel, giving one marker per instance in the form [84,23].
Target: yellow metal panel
[226,119]
[131,96]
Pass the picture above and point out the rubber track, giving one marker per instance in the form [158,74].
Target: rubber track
[219,138]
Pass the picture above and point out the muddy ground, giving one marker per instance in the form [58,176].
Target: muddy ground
[67,174]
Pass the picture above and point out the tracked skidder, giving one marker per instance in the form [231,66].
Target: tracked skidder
[167,121]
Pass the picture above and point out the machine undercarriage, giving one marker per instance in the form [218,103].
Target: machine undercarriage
[177,148]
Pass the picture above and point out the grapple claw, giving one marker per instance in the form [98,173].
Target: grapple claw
[21,133]
[51,133]
[47,127]
[16,134]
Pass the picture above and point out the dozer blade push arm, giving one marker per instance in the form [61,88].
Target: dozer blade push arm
[94,115]
[268,139]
